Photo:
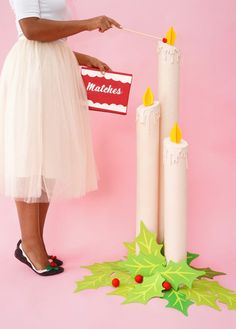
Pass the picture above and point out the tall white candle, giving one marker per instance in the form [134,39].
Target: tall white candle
[147,131]
[168,95]
[175,196]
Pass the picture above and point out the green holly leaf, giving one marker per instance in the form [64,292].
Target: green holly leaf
[177,301]
[147,242]
[93,282]
[224,295]
[200,296]
[123,276]
[191,257]
[122,290]
[105,267]
[149,288]
[180,273]
[227,299]
[131,247]
[102,275]
[145,265]
[209,273]
[212,286]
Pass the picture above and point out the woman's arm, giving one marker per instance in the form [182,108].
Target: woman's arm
[41,29]
[91,61]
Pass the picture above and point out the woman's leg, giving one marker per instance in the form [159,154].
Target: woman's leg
[43,208]
[32,244]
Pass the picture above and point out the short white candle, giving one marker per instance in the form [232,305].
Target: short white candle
[175,196]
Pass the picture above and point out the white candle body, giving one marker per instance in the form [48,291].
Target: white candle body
[175,197]
[168,94]
[147,131]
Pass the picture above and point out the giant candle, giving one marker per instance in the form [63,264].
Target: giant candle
[168,93]
[175,195]
[147,131]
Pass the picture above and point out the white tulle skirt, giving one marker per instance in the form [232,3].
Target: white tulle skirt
[46,150]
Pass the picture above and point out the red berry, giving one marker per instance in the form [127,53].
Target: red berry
[164,40]
[53,264]
[138,278]
[115,282]
[166,285]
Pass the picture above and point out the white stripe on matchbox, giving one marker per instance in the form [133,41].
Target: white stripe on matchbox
[113,107]
[107,76]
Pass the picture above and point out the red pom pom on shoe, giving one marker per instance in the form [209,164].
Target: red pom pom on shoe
[164,40]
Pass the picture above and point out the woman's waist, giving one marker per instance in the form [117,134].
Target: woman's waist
[23,37]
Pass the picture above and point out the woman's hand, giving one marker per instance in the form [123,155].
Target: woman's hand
[102,23]
[91,62]
[96,63]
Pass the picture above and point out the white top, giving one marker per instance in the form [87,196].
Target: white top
[48,9]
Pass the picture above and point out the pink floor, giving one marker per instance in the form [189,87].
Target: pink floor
[30,301]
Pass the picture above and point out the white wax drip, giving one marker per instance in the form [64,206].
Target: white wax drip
[173,156]
[146,116]
[169,53]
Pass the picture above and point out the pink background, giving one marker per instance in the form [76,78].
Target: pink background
[93,228]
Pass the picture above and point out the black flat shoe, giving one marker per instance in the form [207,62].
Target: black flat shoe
[52,259]
[49,270]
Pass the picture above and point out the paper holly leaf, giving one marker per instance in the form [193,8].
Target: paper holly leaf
[191,257]
[102,275]
[213,286]
[102,279]
[145,265]
[122,290]
[149,288]
[209,273]
[224,295]
[93,282]
[200,296]
[178,301]
[180,273]
[227,299]
[123,276]
[147,242]
[131,247]
[105,267]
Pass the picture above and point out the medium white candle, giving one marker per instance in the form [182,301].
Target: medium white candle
[175,196]
[147,131]
[168,95]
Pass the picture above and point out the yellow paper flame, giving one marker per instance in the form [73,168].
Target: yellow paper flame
[176,134]
[148,97]
[171,36]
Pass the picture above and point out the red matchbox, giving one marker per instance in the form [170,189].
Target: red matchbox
[108,92]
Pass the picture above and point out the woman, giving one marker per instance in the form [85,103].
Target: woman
[46,150]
